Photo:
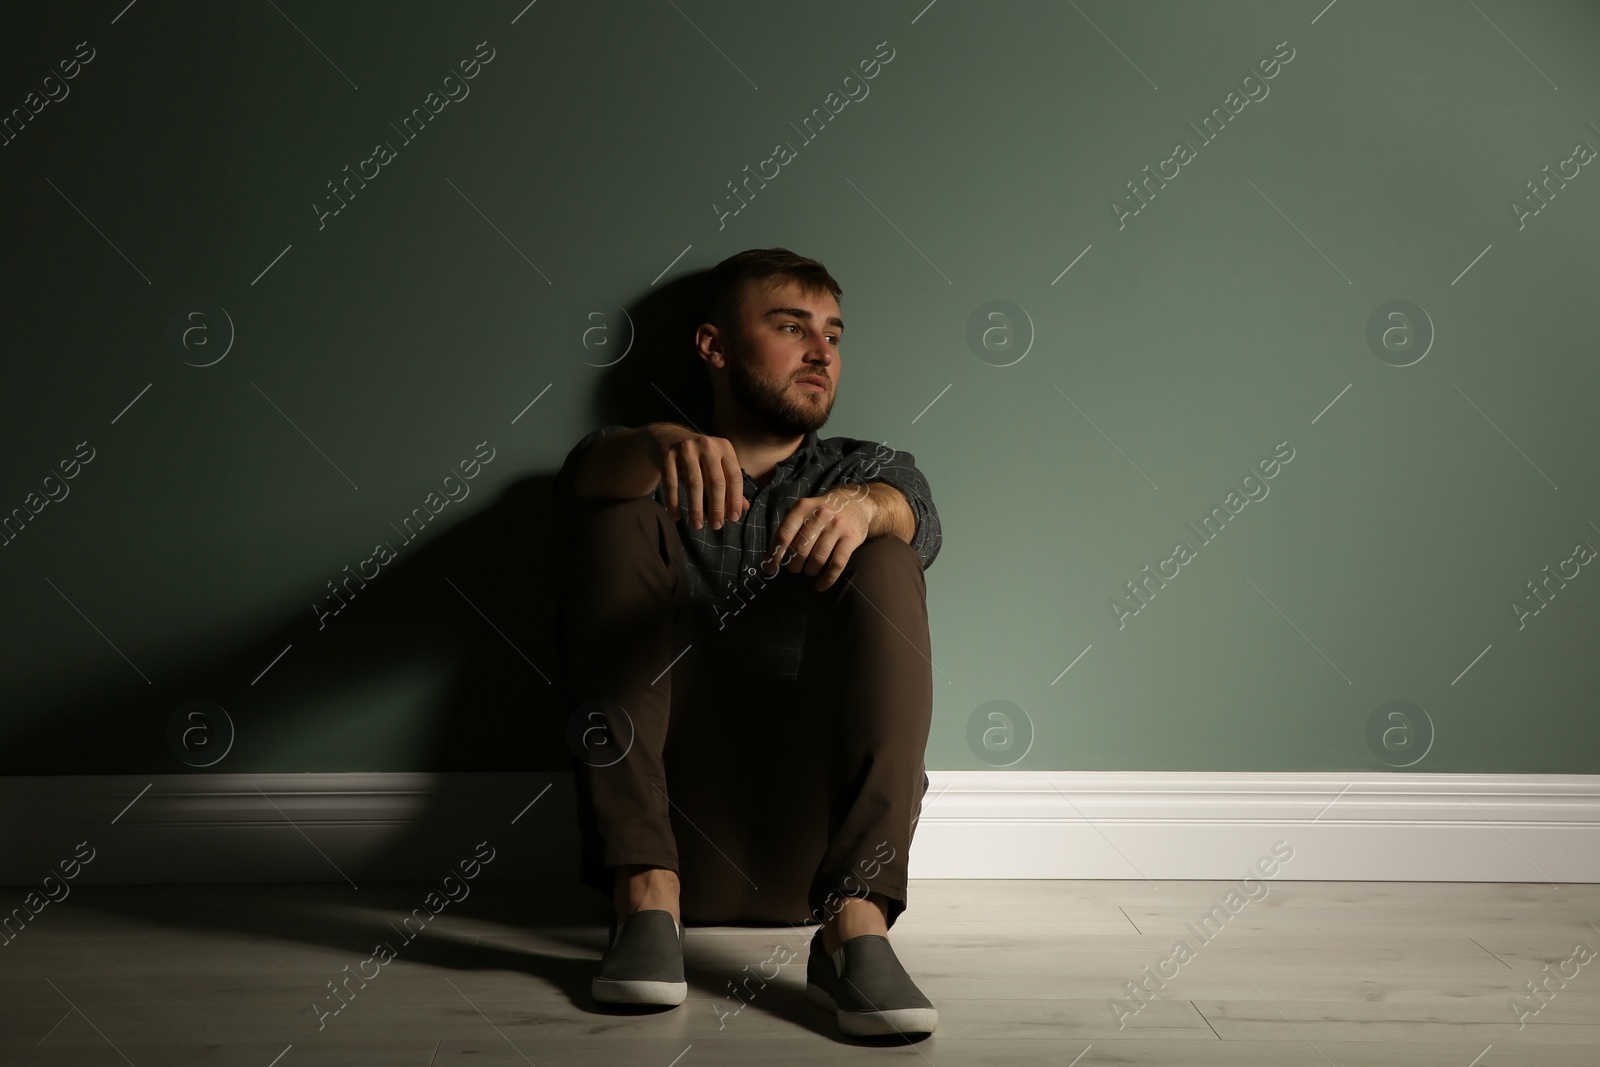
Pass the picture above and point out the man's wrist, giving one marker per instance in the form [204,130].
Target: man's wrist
[869,506]
[889,512]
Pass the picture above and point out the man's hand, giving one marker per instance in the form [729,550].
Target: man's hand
[709,468]
[823,531]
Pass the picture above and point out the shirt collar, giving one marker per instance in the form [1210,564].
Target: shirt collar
[807,449]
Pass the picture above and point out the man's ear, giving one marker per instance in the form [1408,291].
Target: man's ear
[708,346]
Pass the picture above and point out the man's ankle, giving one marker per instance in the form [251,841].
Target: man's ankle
[639,887]
[854,918]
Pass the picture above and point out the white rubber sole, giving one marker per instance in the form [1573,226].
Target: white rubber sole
[608,991]
[875,1023]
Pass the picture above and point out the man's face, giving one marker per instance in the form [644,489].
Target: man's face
[784,339]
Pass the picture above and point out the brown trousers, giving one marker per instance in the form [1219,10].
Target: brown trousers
[772,797]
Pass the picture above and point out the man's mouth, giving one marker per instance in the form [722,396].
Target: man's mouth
[814,382]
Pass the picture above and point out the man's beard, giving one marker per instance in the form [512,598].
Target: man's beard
[776,405]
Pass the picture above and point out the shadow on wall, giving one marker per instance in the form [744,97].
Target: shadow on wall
[500,709]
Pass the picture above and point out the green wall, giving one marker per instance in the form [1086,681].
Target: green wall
[1069,433]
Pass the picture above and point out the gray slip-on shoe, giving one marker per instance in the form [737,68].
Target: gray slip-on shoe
[644,961]
[867,989]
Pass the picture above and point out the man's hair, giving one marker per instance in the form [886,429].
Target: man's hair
[723,287]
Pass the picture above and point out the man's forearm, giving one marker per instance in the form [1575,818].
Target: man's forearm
[616,466]
[891,512]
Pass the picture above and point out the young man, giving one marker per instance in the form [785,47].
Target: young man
[759,590]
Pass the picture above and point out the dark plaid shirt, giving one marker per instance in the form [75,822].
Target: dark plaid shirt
[722,562]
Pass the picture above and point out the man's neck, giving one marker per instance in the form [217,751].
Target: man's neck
[758,448]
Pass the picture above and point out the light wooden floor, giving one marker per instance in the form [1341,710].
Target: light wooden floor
[1317,973]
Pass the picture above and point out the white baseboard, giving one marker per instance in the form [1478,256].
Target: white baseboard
[328,827]
[1359,826]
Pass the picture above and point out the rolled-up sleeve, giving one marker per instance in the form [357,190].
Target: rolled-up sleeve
[569,505]
[872,462]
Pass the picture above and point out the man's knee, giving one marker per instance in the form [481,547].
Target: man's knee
[635,517]
[598,511]
[887,555]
